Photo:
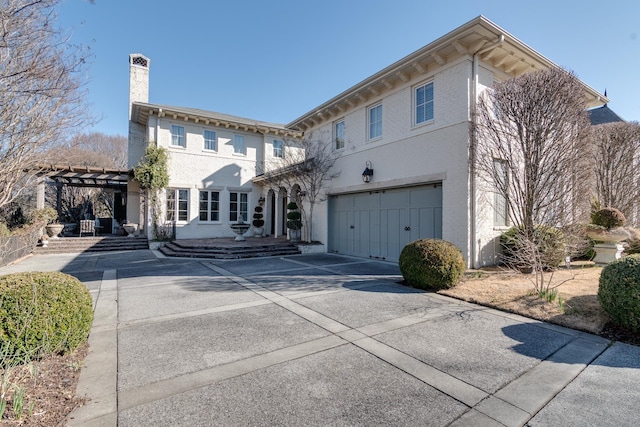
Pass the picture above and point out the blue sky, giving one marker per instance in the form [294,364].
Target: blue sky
[276,60]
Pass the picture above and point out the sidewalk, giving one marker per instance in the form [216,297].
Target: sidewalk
[326,340]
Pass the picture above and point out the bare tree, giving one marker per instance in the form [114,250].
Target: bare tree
[41,97]
[309,166]
[93,149]
[531,139]
[616,161]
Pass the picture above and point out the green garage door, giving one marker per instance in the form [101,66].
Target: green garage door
[379,224]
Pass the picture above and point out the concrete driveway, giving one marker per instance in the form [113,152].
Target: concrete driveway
[325,340]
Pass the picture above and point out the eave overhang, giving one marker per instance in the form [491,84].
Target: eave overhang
[511,57]
[142,112]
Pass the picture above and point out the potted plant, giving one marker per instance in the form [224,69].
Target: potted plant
[258,222]
[294,222]
[53,227]
[606,229]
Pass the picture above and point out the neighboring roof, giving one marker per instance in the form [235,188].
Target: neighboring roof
[478,36]
[602,115]
[141,111]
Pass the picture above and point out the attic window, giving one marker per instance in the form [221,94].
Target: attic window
[141,61]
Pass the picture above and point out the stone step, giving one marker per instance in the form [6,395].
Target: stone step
[92,244]
[188,250]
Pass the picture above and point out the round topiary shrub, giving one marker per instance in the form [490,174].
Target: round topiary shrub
[619,291]
[431,264]
[43,314]
[549,241]
[608,218]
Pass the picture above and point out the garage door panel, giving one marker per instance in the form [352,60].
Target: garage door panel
[379,224]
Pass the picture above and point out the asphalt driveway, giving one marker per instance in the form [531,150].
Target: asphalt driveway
[325,340]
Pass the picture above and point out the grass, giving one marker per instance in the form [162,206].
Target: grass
[573,304]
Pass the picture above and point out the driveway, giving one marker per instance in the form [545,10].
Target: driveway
[325,340]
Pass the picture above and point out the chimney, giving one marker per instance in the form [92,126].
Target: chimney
[138,79]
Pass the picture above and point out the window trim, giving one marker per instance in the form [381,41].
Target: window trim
[369,122]
[432,102]
[337,139]
[501,216]
[175,212]
[233,215]
[180,136]
[215,140]
[275,150]
[244,145]
[209,211]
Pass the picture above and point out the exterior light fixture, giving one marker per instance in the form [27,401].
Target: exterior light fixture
[261,201]
[368,172]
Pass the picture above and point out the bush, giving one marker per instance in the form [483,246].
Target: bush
[43,314]
[633,242]
[432,264]
[4,229]
[619,291]
[294,217]
[608,218]
[549,241]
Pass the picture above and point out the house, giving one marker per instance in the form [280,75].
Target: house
[409,124]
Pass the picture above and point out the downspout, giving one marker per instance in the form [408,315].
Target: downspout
[473,249]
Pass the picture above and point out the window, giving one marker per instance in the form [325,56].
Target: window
[278,149]
[177,136]
[209,206]
[375,121]
[339,134]
[238,144]
[500,193]
[238,207]
[424,103]
[210,141]
[177,204]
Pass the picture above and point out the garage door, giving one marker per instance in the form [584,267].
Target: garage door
[378,224]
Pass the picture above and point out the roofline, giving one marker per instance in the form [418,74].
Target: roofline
[479,23]
[141,111]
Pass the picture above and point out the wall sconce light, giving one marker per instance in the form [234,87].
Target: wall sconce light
[368,172]
[261,201]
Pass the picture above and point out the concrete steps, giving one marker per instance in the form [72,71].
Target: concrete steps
[92,244]
[208,249]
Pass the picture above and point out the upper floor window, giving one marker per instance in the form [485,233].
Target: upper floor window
[375,121]
[424,103]
[278,148]
[339,134]
[238,206]
[210,141]
[238,144]
[177,136]
[209,206]
[177,204]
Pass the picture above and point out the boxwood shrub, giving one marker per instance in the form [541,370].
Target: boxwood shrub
[42,314]
[550,242]
[431,264]
[619,291]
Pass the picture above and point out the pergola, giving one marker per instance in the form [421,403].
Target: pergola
[79,176]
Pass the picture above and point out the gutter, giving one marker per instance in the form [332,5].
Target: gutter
[473,249]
